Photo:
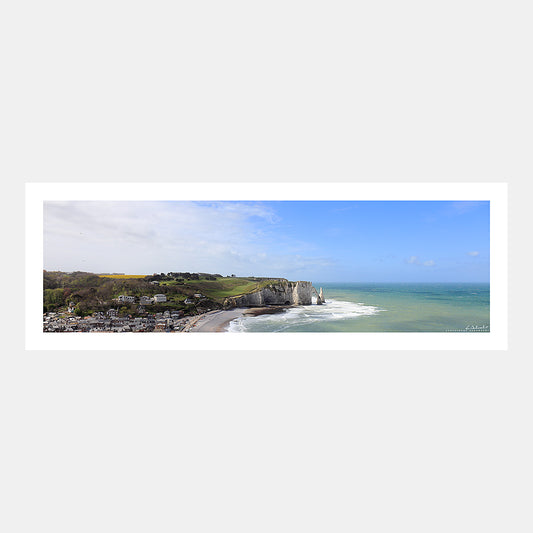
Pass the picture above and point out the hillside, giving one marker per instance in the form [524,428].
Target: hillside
[98,292]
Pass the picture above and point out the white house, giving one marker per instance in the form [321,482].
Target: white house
[127,299]
[145,300]
[159,298]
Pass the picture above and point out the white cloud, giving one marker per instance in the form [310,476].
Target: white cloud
[465,206]
[415,260]
[473,254]
[146,237]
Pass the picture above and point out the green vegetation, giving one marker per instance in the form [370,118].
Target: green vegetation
[223,287]
[122,276]
[90,292]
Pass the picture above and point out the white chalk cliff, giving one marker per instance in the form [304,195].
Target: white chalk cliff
[282,293]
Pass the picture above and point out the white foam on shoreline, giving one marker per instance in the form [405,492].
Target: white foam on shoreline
[303,315]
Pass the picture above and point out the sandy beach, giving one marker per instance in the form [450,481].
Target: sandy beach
[217,321]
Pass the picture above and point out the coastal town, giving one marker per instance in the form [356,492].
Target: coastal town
[112,321]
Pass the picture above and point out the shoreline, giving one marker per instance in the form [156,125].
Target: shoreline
[218,321]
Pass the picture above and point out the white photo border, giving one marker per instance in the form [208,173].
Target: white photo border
[495,193]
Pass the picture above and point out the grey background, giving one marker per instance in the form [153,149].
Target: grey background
[262,441]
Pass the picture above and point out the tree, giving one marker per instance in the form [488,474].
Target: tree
[53,297]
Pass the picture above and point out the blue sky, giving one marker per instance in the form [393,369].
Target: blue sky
[317,241]
[393,241]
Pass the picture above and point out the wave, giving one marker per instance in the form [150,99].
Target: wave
[302,315]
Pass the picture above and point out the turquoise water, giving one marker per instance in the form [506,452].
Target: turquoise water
[383,307]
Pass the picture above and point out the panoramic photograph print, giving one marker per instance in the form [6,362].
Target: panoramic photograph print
[266,266]
[270,266]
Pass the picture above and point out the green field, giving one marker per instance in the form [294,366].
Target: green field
[221,287]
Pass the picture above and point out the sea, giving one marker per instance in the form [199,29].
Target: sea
[383,307]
